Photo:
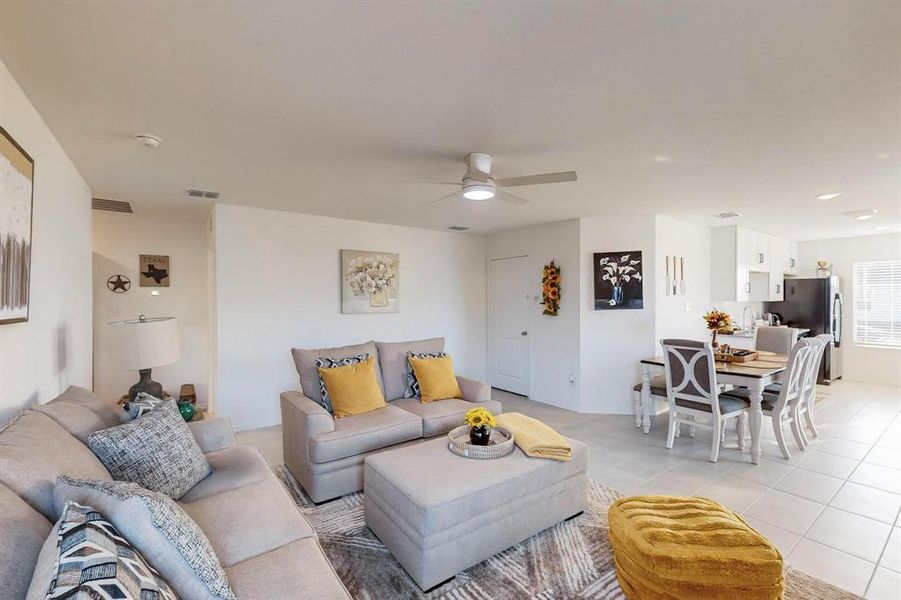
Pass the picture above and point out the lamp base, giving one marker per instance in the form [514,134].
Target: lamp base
[146,385]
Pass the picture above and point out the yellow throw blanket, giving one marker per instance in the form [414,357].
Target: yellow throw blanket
[535,438]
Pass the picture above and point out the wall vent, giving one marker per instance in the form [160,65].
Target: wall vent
[458,228]
[111,205]
[728,215]
[203,194]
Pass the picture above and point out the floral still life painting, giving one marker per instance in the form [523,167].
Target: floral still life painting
[370,282]
[550,289]
[618,280]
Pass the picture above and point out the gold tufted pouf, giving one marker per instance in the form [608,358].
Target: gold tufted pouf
[667,547]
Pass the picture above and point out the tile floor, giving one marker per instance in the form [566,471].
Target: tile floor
[833,509]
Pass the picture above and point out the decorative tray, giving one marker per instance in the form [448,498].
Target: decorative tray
[731,358]
[500,444]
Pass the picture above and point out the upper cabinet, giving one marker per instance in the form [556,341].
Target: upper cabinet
[750,265]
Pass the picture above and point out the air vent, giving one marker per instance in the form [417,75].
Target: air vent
[458,228]
[203,194]
[111,205]
[728,215]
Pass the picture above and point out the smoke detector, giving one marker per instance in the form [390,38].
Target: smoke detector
[148,139]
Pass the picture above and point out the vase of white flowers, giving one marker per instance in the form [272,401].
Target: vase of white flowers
[372,276]
[619,273]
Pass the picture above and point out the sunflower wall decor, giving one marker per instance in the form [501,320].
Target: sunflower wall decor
[550,292]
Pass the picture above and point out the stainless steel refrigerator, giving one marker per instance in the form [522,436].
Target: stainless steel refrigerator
[816,304]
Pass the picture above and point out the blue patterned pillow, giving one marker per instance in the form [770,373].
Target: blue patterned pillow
[331,363]
[412,390]
[157,451]
[95,561]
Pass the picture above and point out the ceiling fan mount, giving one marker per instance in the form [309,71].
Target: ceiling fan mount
[478,184]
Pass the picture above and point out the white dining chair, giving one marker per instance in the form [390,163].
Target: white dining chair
[783,406]
[693,395]
[780,340]
[805,407]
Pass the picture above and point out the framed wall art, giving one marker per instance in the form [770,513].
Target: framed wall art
[370,282]
[16,210]
[618,280]
[154,270]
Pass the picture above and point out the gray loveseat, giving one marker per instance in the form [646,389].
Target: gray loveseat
[266,546]
[326,454]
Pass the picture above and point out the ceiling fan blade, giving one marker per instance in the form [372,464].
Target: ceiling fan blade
[536,179]
[426,181]
[511,198]
[443,198]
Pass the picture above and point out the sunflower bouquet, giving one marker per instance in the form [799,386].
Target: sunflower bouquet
[550,289]
[480,423]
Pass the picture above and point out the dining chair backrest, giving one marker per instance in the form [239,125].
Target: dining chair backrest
[690,372]
[793,381]
[821,342]
[780,340]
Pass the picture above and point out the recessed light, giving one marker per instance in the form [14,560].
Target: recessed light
[662,159]
[728,215]
[882,228]
[831,196]
[861,215]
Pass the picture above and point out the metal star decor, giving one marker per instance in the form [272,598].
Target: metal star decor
[118,284]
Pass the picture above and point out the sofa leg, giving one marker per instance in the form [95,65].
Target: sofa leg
[435,587]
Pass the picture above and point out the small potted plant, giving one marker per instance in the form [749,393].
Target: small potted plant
[717,321]
[480,423]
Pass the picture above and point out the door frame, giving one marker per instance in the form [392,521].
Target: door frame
[490,319]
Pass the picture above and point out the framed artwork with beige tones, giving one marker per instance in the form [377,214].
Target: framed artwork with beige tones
[16,206]
[370,282]
[154,270]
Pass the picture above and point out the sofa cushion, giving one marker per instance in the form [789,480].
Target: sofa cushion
[394,365]
[296,570]
[354,388]
[81,412]
[159,529]
[305,363]
[44,567]
[231,468]
[157,451]
[357,434]
[441,416]
[34,450]
[23,531]
[249,521]
[93,560]
[436,378]
[412,389]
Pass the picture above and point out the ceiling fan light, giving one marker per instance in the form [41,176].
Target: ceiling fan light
[478,192]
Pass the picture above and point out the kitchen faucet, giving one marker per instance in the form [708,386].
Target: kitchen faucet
[744,316]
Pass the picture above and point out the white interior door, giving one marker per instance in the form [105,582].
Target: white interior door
[510,302]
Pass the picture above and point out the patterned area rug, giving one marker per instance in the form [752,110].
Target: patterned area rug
[570,560]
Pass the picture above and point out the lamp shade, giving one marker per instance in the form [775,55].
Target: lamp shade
[144,343]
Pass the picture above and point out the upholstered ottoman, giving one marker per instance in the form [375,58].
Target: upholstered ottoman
[690,548]
[439,513]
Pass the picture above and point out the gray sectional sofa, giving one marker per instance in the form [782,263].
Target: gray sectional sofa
[326,455]
[266,546]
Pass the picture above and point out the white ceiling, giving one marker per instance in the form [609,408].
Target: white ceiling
[686,109]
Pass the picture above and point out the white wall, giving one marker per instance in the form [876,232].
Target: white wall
[277,287]
[118,241]
[680,316]
[554,341]
[873,365]
[612,342]
[42,357]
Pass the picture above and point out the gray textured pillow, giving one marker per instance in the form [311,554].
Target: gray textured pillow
[157,451]
[159,529]
[93,560]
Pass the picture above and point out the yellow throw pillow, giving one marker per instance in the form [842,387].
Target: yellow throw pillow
[353,389]
[436,378]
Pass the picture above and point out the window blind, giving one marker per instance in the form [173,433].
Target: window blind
[877,303]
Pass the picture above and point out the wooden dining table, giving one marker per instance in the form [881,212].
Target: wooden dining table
[756,375]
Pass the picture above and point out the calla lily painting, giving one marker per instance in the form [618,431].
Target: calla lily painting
[618,280]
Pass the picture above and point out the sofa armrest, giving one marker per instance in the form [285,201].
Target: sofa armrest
[474,391]
[302,418]
[213,434]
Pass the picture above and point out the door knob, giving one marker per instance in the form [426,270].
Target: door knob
[523,333]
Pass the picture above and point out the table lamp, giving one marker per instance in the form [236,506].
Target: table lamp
[142,344]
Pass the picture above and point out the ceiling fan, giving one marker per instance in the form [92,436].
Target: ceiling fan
[479,185]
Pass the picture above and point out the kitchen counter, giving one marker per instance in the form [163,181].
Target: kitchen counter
[741,338]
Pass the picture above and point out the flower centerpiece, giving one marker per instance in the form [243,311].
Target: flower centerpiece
[372,276]
[550,289]
[718,320]
[480,422]
[619,273]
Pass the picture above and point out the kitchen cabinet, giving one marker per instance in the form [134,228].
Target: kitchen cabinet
[748,265]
